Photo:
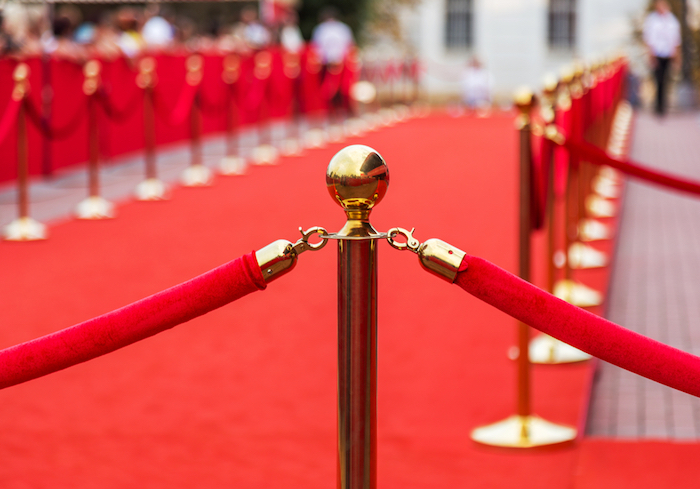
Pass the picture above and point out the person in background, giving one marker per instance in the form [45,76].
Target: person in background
[332,38]
[477,85]
[290,36]
[662,35]
[130,41]
[251,31]
[157,32]
[106,43]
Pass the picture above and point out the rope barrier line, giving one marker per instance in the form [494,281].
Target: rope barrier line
[57,133]
[115,114]
[132,323]
[579,328]
[182,108]
[633,169]
[9,117]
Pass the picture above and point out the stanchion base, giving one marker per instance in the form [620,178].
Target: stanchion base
[387,117]
[544,349]
[584,256]
[606,188]
[291,147]
[197,176]
[372,121]
[599,207]
[401,112]
[151,189]
[336,134]
[355,127]
[95,207]
[232,165]
[592,230]
[24,229]
[265,154]
[523,432]
[577,294]
[315,138]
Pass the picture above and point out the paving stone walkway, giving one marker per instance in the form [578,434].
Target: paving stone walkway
[655,286]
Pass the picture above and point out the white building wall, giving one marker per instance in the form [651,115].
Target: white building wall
[511,39]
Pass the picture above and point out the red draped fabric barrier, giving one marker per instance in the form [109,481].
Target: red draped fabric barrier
[262,90]
[132,323]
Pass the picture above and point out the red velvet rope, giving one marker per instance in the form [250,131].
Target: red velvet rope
[115,114]
[581,329]
[9,118]
[183,106]
[131,323]
[53,132]
[598,156]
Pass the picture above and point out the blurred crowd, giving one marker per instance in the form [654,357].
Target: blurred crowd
[26,31]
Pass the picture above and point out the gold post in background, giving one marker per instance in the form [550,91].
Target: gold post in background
[232,163]
[357,178]
[196,175]
[24,228]
[543,348]
[524,430]
[151,188]
[94,206]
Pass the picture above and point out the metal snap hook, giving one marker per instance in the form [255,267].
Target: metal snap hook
[411,243]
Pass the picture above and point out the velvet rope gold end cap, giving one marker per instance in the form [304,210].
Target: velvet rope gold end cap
[276,259]
[441,259]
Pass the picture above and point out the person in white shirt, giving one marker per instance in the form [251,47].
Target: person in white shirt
[332,38]
[157,31]
[662,35]
[477,84]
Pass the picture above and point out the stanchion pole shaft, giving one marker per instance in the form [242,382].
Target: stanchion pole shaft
[357,364]
[22,163]
[93,147]
[195,132]
[525,229]
[150,132]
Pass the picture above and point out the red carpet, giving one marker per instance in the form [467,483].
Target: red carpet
[244,397]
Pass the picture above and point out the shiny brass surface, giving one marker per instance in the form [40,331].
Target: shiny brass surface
[232,69]
[280,257]
[194,65]
[91,71]
[357,179]
[523,432]
[147,73]
[524,99]
[263,65]
[21,79]
[276,259]
[441,259]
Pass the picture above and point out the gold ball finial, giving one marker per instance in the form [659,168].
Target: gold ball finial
[21,73]
[357,178]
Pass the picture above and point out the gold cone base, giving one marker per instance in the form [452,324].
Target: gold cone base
[151,189]
[265,154]
[24,229]
[599,207]
[232,165]
[584,256]
[592,230]
[197,176]
[523,432]
[547,350]
[577,294]
[95,207]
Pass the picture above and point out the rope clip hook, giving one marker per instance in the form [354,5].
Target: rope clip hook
[411,243]
[303,244]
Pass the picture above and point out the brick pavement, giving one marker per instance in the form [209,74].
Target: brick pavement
[654,287]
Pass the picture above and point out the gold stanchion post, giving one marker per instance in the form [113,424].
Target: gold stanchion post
[524,430]
[94,206]
[232,163]
[357,179]
[152,188]
[196,175]
[543,348]
[24,228]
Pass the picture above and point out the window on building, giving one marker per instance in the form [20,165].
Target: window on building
[561,29]
[459,26]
